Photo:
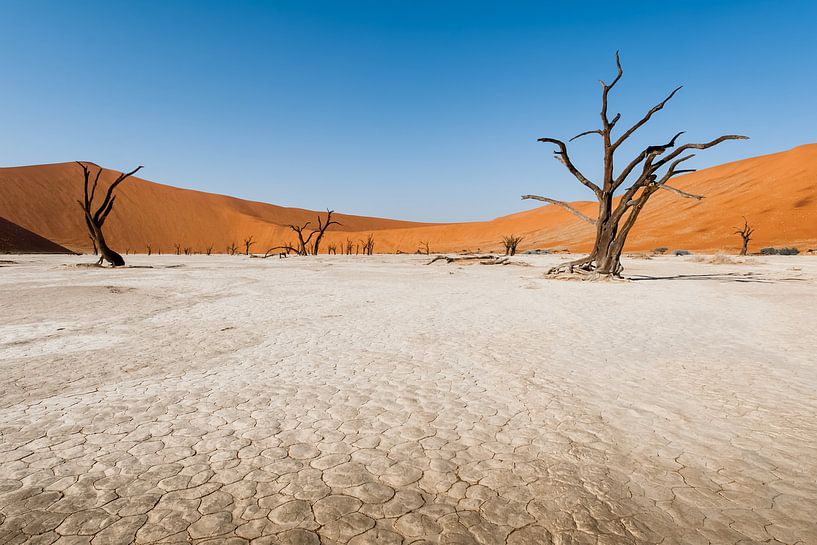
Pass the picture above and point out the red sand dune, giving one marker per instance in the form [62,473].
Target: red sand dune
[777,193]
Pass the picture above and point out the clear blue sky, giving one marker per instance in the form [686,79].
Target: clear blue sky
[417,110]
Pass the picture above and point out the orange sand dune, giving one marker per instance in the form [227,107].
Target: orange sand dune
[777,193]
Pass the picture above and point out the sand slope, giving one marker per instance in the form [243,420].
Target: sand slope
[778,193]
[16,240]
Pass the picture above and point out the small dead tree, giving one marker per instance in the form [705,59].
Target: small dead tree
[349,245]
[248,243]
[322,227]
[424,249]
[149,248]
[745,233]
[646,173]
[95,218]
[332,249]
[209,250]
[188,251]
[178,248]
[303,243]
[368,245]
[511,242]
[232,248]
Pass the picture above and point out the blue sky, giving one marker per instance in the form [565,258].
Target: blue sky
[416,110]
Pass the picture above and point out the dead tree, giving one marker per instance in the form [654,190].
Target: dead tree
[188,251]
[424,249]
[368,244]
[349,245]
[95,219]
[322,227]
[178,248]
[332,249]
[745,233]
[149,248]
[646,173]
[303,243]
[511,242]
[248,243]
[209,250]
[232,248]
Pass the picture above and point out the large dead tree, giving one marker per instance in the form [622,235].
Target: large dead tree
[95,216]
[322,227]
[641,177]
[745,233]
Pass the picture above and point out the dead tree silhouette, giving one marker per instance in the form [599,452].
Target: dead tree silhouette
[95,219]
[613,221]
[322,227]
[511,242]
[248,243]
[368,245]
[745,233]
[303,243]
[232,248]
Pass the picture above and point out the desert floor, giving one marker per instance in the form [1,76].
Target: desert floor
[378,400]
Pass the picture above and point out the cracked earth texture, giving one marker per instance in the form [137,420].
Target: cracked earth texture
[375,400]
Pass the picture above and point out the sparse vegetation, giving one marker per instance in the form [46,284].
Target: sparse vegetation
[661,250]
[779,251]
[681,252]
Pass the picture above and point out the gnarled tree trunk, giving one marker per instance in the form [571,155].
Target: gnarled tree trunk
[95,219]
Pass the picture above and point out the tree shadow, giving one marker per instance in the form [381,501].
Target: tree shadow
[719,277]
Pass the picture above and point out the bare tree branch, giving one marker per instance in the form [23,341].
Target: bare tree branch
[563,205]
[644,119]
[564,158]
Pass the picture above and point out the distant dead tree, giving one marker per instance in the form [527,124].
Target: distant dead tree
[95,219]
[303,243]
[511,242]
[188,250]
[248,243]
[348,246]
[614,220]
[424,249]
[149,248]
[178,248]
[745,233]
[322,227]
[209,250]
[368,245]
[232,248]
[332,249]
